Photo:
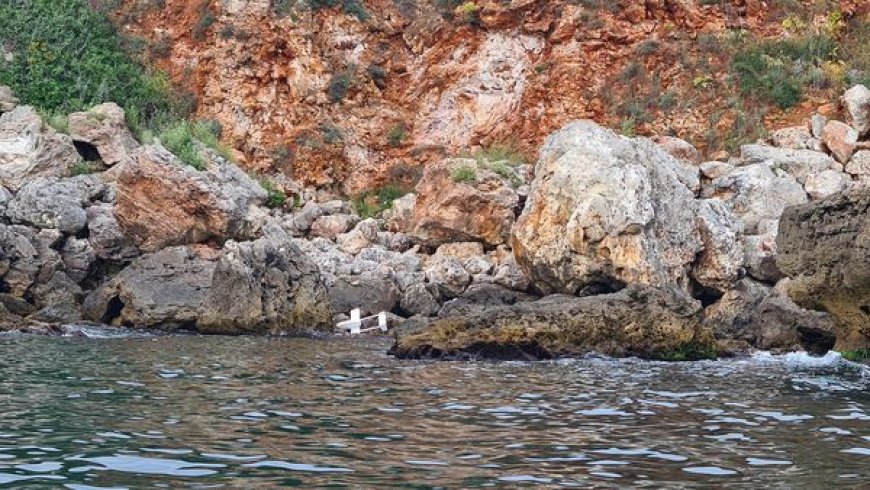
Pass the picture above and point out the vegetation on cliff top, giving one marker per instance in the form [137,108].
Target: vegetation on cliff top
[62,56]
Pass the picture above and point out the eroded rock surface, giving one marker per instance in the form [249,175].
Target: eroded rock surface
[825,248]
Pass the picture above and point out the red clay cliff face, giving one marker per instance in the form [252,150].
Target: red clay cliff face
[335,102]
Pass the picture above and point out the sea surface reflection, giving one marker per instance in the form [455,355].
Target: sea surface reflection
[218,412]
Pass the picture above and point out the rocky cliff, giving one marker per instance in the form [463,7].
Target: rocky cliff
[355,94]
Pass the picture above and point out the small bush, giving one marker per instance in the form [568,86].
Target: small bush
[777,71]
[397,136]
[507,152]
[205,19]
[371,203]
[85,168]
[468,12]
[331,135]
[276,198]
[647,47]
[340,85]
[181,139]
[464,174]
[858,355]
[58,121]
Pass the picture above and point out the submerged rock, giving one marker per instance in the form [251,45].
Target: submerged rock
[637,321]
[825,248]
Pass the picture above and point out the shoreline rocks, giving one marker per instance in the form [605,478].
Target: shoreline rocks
[825,248]
[616,246]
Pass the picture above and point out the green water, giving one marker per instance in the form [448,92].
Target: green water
[217,412]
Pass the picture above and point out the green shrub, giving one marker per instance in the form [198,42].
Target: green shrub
[181,139]
[397,135]
[276,198]
[858,355]
[205,19]
[68,57]
[647,47]
[371,203]
[58,121]
[464,173]
[84,168]
[777,71]
[340,84]
[350,7]
[506,152]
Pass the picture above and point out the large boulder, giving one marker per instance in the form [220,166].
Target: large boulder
[262,286]
[55,203]
[798,163]
[370,292]
[857,103]
[105,128]
[28,256]
[781,324]
[465,200]
[841,139]
[825,248]
[605,211]
[637,321]
[105,235]
[720,263]
[757,196]
[162,202]
[30,149]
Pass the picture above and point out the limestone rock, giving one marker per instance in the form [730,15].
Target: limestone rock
[262,286]
[606,211]
[30,149]
[463,200]
[824,247]
[369,292]
[265,286]
[859,165]
[161,202]
[105,128]
[460,250]
[826,183]
[715,169]
[795,137]
[419,300]
[53,203]
[678,148]
[797,163]
[755,193]
[364,234]
[840,139]
[27,256]
[636,321]
[720,262]
[400,217]
[331,226]
[857,103]
[77,256]
[447,275]
[781,324]
[105,235]
[7,99]
[731,316]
